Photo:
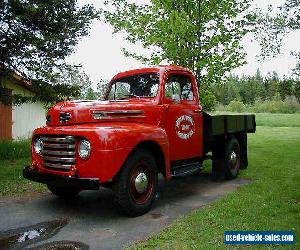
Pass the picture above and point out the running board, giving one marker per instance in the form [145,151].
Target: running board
[186,169]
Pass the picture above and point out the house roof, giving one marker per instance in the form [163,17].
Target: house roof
[17,78]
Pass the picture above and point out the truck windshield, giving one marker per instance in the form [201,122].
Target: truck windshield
[135,86]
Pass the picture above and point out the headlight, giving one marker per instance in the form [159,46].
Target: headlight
[84,149]
[38,145]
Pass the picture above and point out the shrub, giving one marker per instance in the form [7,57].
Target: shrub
[293,104]
[221,107]
[236,106]
[10,150]
[288,106]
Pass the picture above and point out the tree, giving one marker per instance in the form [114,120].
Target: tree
[271,85]
[285,88]
[90,94]
[202,35]
[248,89]
[297,90]
[102,88]
[274,25]
[229,91]
[37,36]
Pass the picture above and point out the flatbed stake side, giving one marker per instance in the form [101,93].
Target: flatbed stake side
[149,122]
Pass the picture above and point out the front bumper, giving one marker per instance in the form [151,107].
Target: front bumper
[61,181]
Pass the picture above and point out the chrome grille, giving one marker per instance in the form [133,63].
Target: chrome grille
[59,152]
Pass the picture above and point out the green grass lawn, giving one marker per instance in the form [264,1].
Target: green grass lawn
[273,120]
[270,202]
[12,182]
[278,120]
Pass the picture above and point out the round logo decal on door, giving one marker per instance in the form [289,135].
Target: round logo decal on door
[184,127]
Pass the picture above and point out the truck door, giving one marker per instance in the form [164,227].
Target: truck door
[183,116]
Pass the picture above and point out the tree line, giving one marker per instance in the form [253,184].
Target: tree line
[249,89]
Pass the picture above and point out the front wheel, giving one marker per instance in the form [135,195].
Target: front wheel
[136,184]
[63,192]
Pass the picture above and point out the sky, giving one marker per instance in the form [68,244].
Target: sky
[101,56]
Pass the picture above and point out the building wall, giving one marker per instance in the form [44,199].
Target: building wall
[5,122]
[26,118]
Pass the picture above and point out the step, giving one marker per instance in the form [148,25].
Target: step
[186,169]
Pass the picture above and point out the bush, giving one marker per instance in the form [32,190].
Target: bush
[288,106]
[10,150]
[293,104]
[236,106]
[233,106]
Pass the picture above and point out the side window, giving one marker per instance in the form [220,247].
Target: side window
[119,90]
[172,88]
[180,85]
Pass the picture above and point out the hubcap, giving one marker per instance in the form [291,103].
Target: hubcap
[141,183]
[233,158]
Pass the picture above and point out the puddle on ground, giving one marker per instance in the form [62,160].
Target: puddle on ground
[61,245]
[21,237]
[30,235]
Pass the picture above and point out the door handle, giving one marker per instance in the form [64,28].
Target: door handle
[197,110]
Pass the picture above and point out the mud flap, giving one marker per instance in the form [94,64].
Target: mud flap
[242,138]
[218,159]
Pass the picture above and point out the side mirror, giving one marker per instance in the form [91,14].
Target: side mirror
[176,98]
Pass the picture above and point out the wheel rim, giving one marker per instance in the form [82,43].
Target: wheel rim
[141,183]
[234,159]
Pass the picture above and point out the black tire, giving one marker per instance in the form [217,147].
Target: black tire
[232,158]
[63,192]
[136,184]
[223,164]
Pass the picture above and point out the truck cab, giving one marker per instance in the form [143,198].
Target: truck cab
[150,122]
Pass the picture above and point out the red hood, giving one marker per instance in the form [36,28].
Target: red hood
[78,112]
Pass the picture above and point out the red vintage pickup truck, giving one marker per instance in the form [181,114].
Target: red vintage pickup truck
[149,122]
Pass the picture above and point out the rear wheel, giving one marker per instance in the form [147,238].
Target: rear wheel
[63,192]
[136,184]
[232,158]
[226,159]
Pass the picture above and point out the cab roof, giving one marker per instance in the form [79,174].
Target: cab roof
[155,69]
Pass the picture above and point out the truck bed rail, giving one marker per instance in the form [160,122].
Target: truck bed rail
[222,125]
[228,124]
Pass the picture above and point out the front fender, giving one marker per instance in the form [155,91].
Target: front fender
[111,145]
[131,134]
[128,136]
